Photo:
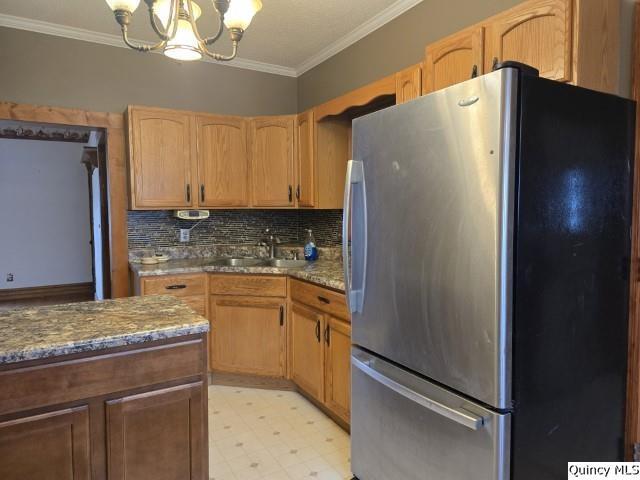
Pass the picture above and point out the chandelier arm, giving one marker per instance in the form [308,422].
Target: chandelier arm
[192,21]
[214,39]
[140,48]
[165,34]
[223,58]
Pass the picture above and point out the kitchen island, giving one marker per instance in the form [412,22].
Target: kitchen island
[114,389]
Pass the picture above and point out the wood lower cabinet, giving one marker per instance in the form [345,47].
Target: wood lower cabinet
[338,367]
[453,59]
[223,162]
[162,159]
[307,352]
[190,288]
[538,33]
[135,412]
[320,346]
[272,161]
[49,446]
[248,335]
[159,434]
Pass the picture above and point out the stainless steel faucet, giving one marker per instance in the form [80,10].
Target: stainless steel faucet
[270,241]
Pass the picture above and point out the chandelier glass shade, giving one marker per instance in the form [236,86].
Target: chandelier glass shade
[174,22]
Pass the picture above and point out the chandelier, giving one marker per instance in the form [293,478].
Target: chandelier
[174,21]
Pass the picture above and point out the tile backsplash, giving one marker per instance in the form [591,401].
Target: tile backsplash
[156,229]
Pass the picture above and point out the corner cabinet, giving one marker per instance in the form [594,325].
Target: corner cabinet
[320,346]
[223,162]
[538,33]
[272,161]
[453,59]
[306,160]
[162,159]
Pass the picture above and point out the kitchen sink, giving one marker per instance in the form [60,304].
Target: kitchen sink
[281,262]
[240,262]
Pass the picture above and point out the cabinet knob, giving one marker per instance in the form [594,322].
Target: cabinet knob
[318,330]
[202,192]
[324,300]
[474,71]
[327,335]
[495,63]
[290,193]
[298,192]
[188,193]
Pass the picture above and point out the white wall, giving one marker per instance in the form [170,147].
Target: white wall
[44,214]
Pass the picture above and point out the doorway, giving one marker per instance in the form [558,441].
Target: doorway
[54,213]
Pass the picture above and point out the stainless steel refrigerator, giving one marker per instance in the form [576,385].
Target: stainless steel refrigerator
[487,238]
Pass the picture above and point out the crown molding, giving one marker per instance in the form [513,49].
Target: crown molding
[385,16]
[74,33]
[371,25]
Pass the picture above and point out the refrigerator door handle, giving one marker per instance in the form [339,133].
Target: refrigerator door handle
[354,287]
[458,415]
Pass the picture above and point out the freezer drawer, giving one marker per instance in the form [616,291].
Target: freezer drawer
[406,428]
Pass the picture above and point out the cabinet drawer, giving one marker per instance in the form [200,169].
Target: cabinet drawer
[197,303]
[320,298]
[248,285]
[176,285]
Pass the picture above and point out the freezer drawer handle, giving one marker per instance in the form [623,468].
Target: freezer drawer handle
[468,419]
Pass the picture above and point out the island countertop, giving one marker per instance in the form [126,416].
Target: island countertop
[42,332]
[326,273]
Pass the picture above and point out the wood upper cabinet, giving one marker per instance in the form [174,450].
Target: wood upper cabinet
[162,155]
[160,434]
[409,84]
[305,165]
[223,163]
[338,367]
[538,33]
[307,362]
[50,446]
[453,59]
[272,161]
[248,335]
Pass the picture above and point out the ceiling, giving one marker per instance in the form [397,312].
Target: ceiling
[287,37]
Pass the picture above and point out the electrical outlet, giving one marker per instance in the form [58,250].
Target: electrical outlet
[9,277]
[185,235]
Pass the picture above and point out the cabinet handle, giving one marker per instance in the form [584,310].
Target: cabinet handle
[175,287]
[327,335]
[202,192]
[324,300]
[298,192]
[474,71]
[318,330]
[281,315]
[188,193]
[495,63]
[290,193]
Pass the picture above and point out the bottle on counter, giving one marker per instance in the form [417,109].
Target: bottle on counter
[310,247]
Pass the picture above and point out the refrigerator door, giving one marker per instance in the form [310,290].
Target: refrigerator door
[430,207]
[407,428]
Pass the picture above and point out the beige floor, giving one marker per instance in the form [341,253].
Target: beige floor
[272,435]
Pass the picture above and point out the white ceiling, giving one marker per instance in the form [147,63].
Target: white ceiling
[287,37]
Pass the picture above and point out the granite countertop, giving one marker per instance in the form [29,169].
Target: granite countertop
[326,273]
[41,332]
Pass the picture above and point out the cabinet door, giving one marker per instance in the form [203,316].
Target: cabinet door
[223,163]
[248,335]
[272,162]
[159,434]
[161,158]
[305,166]
[307,369]
[453,59]
[408,84]
[338,367]
[51,446]
[536,33]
